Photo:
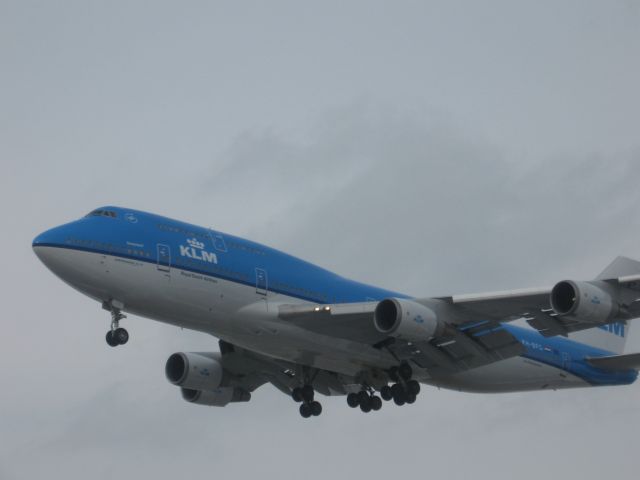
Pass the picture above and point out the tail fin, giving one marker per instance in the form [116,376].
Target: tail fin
[612,337]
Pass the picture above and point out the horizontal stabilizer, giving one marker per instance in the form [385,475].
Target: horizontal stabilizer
[617,362]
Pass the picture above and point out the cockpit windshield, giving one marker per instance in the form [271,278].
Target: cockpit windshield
[102,213]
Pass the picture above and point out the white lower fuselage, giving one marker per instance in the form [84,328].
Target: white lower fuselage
[247,317]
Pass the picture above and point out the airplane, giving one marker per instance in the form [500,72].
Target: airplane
[308,331]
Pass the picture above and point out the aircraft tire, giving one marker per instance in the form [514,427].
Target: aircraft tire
[405,371]
[110,340]
[352,400]
[316,408]
[413,387]
[385,393]
[376,403]
[305,410]
[296,394]
[121,336]
[400,396]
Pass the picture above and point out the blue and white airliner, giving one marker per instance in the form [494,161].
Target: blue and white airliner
[308,331]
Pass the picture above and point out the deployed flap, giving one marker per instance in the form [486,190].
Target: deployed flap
[249,370]
[617,362]
[352,321]
[465,345]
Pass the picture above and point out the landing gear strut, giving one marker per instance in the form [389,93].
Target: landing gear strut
[117,335]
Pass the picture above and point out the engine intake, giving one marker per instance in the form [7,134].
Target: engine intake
[195,371]
[584,301]
[406,319]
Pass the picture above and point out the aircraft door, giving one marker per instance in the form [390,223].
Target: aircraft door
[261,281]
[164,259]
[566,360]
[218,241]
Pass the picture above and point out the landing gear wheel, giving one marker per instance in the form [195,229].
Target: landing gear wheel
[399,399]
[405,371]
[305,410]
[112,342]
[352,400]
[411,398]
[307,393]
[413,387]
[363,397]
[296,394]
[376,403]
[121,336]
[316,408]
[385,393]
[396,389]
[366,405]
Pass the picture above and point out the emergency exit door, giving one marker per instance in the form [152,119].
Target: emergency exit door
[261,281]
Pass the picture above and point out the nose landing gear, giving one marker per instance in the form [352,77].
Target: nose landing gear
[117,335]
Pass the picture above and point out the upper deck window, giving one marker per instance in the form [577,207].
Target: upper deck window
[102,213]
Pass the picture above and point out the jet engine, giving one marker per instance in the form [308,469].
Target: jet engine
[584,301]
[194,371]
[406,320]
[216,398]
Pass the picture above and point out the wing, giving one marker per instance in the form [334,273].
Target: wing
[462,346]
[250,370]
[474,333]
[621,280]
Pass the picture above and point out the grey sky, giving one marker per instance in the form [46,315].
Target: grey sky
[427,147]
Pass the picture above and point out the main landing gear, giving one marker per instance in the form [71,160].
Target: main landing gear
[117,335]
[308,407]
[366,400]
[403,391]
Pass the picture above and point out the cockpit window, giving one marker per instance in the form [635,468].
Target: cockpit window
[102,213]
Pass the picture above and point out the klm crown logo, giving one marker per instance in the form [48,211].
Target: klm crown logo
[195,243]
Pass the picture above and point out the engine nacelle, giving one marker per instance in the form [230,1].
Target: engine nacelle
[407,320]
[194,371]
[216,398]
[584,301]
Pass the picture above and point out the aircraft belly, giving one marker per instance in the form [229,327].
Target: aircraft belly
[510,375]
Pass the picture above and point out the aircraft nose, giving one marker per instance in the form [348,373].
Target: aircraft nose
[43,245]
[51,237]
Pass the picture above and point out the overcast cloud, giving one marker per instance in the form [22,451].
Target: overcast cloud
[428,147]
